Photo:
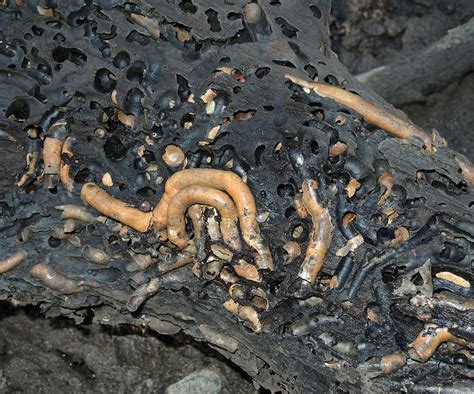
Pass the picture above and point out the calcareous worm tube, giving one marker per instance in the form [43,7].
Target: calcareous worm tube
[12,261]
[373,114]
[206,196]
[113,208]
[320,236]
[428,341]
[55,280]
[233,185]
[65,166]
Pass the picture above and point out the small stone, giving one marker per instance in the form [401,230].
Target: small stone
[107,180]
[201,382]
[100,132]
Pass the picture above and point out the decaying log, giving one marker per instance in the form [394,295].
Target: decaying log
[136,129]
[412,79]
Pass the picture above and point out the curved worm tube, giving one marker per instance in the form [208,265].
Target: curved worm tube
[233,185]
[183,258]
[113,208]
[142,293]
[320,236]
[205,196]
[422,236]
[466,332]
[373,114]
[65,165]
[428,341]
[245,313]
[342,273]
[55,280]
[12,261]
[195,213]
[24,83]
[360,275]
[450,300]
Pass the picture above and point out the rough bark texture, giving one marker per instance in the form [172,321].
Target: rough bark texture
[128,79]
[413,79]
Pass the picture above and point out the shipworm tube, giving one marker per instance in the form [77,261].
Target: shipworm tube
[75,212]
[234,186]
[143,292]
[467,169]
[55,280]
[245,313]
[195,213]
[320,236]
[373,114]
[428,341]
[206,196]
[392,362]
[113,208]
[65,168]
[30,174]
[11,262]
[52,155]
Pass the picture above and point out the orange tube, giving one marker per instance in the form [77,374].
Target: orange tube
[428,341]
[320,237]
[234,186]
[52,148]
[373,114]
[64,168]
[245,313]
[205,196]
[113,208]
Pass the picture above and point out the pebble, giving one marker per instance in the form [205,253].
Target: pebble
[200,382]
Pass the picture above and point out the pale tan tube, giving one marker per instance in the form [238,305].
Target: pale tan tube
[65,168]
[373,114]
[320,237]
[11,262]
[245,313]
[234,186]
[113,208]
[52,148]
[32,164]
[55,280]
[205,196]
